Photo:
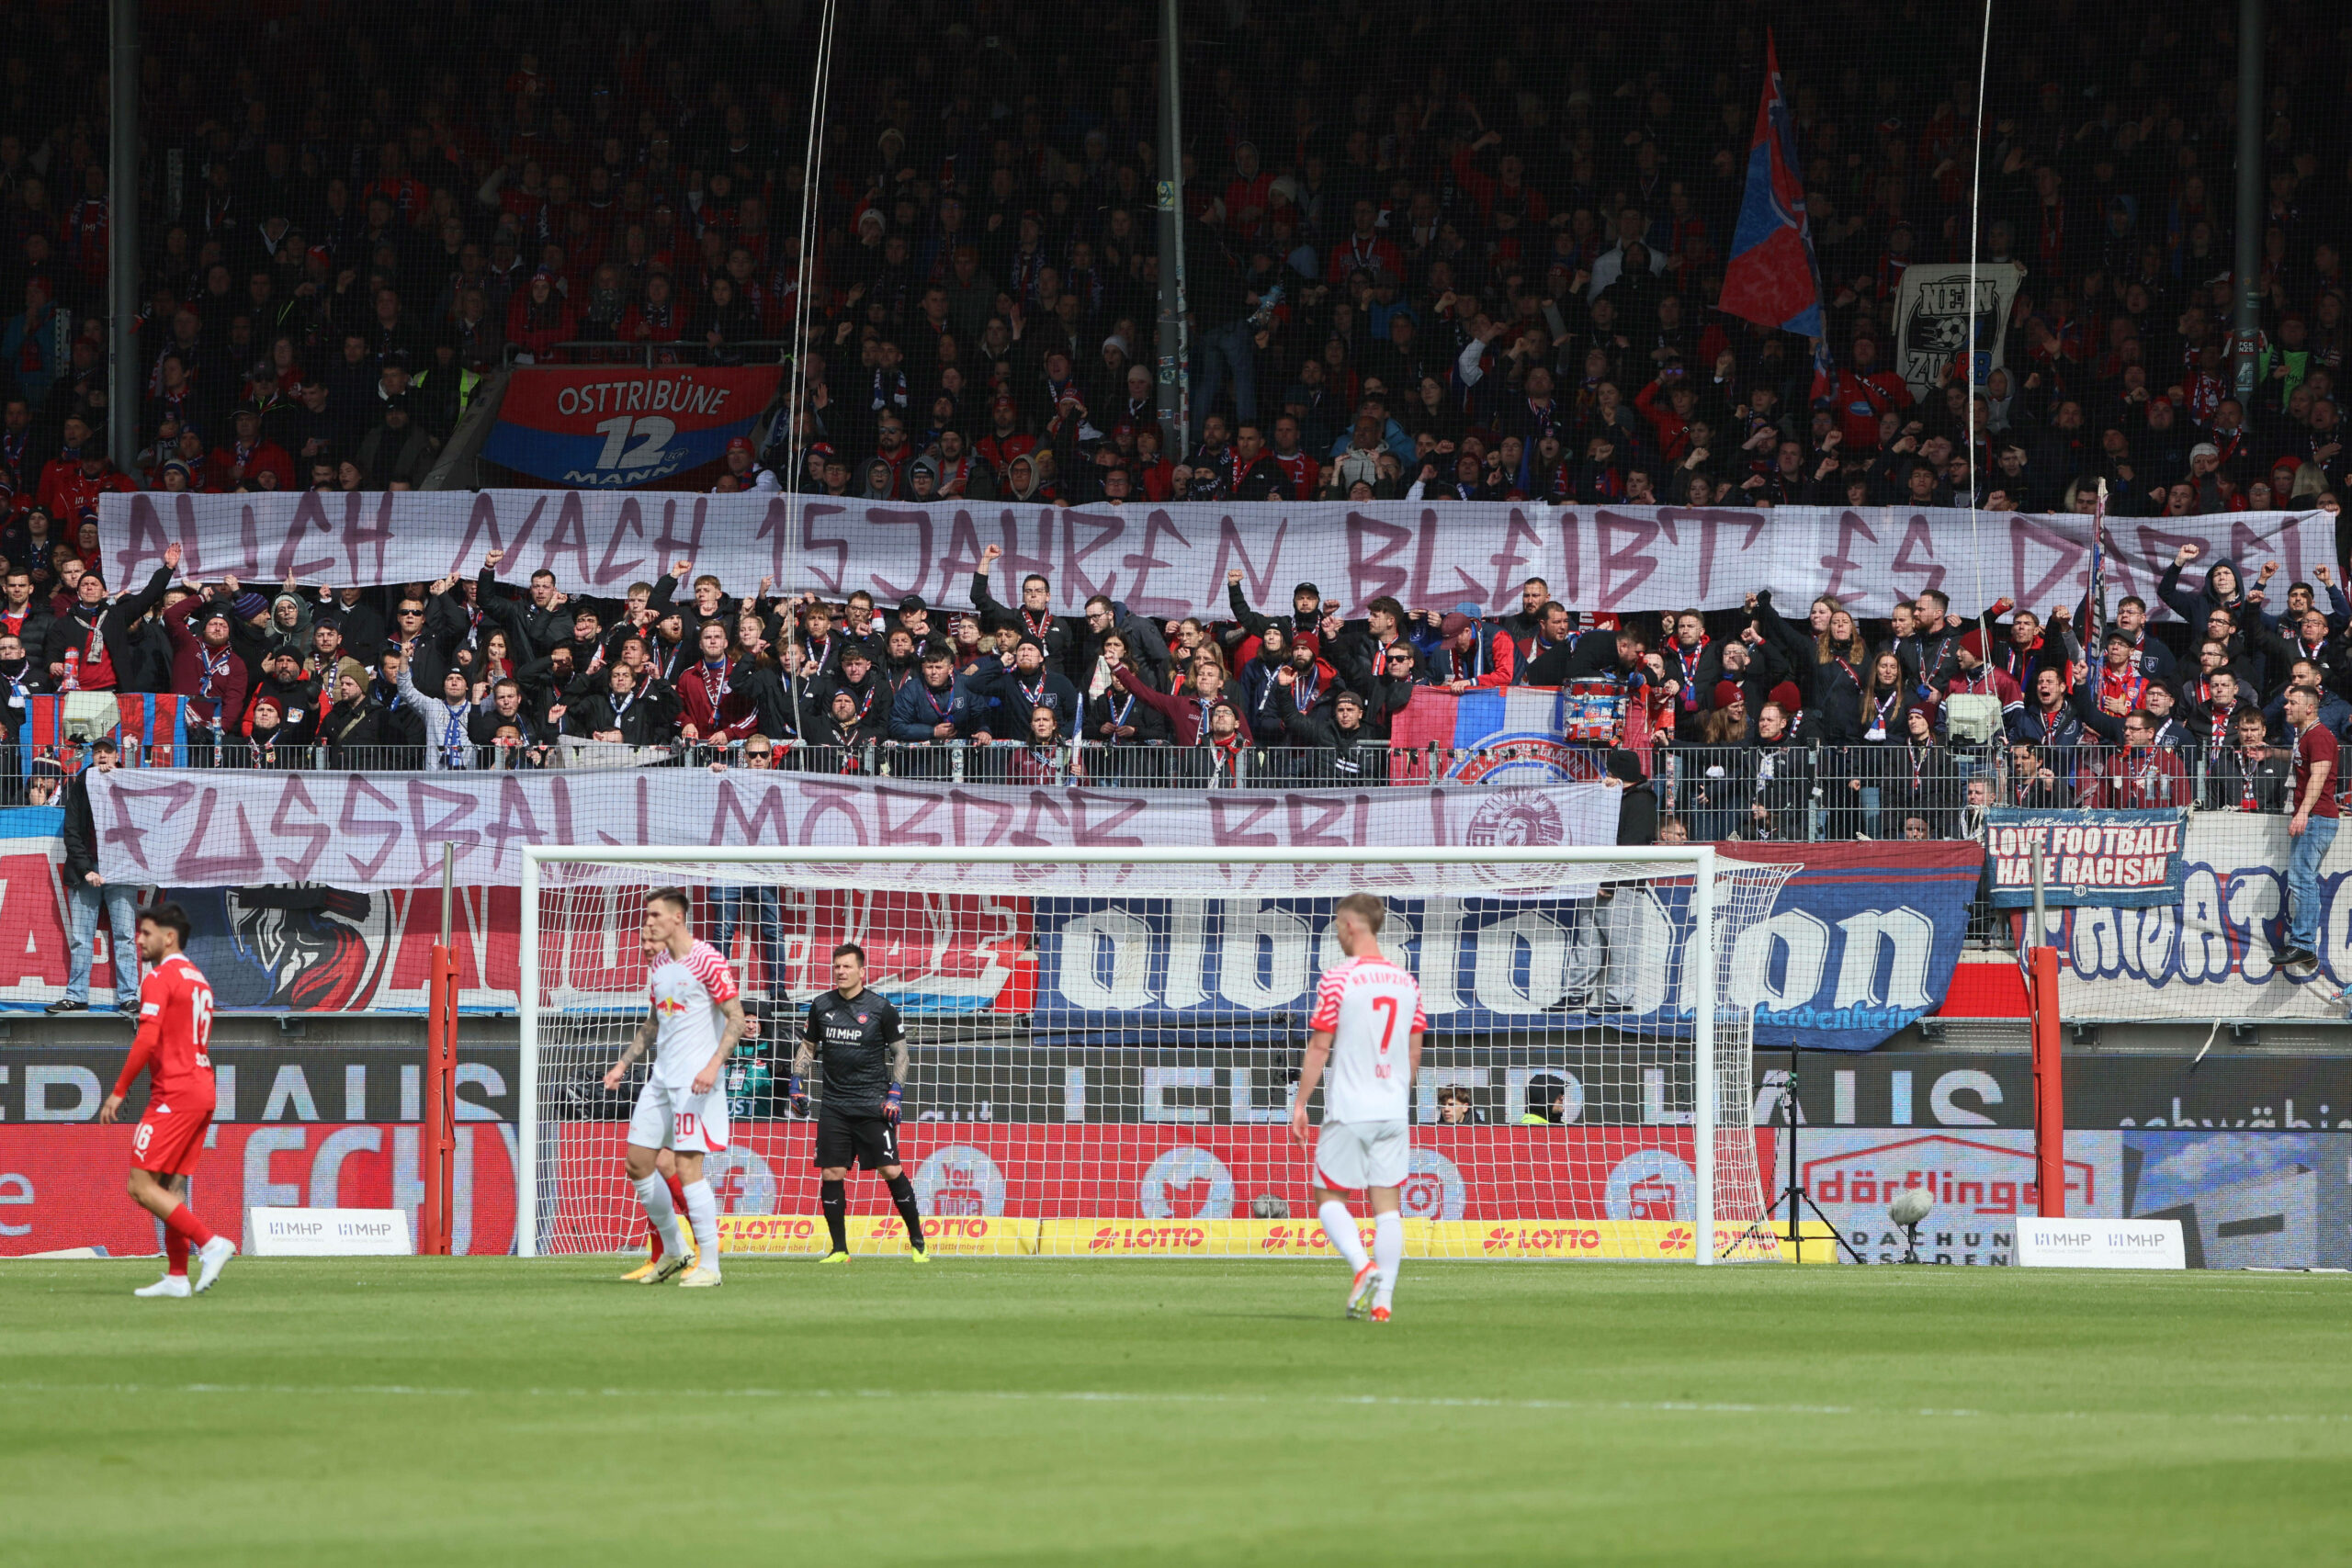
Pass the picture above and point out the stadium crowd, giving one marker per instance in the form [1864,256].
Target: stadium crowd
[1429,257]
[1785,728]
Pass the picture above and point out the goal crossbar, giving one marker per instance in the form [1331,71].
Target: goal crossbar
[1699,861]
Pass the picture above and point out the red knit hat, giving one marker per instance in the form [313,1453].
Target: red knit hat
[1726,694]
[1786,695]
[1972,643]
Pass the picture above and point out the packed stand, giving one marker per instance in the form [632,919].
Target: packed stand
[1746,724]
[1428,256]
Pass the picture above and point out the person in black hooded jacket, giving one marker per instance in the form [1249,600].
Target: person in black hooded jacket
[350,727]
[857,675]
[1343,747]
[400,725]
[1831,684]
[1779,772]
[783,699]
[2224,587]
[1392,688]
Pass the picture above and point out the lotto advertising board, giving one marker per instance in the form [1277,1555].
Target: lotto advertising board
[1550,1240]
[1535,1191]
[613,427]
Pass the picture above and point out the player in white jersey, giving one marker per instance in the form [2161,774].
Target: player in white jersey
[1367,1027]
[694,1023]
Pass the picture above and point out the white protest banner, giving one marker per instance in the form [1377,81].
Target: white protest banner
[1931,320]
[1170,562]
[369,831]
[2209,952]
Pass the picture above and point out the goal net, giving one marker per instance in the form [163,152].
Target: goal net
[1103,1047]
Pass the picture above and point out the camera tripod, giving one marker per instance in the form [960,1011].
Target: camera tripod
[1798,1201]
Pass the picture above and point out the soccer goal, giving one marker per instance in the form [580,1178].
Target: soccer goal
[1104,1040]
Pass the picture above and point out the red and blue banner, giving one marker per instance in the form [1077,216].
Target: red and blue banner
[1526,731]
[614,427]
[1773,276]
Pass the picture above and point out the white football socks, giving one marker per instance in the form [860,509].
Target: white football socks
[1340,1227]
[1389,1250]
[701,1208]
[654,1193]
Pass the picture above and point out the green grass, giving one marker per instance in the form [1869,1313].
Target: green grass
[1112,1412]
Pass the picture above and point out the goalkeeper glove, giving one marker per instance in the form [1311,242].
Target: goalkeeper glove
[799,1098]
[890,1101]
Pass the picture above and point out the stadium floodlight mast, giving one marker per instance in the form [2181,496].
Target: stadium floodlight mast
[1454,872]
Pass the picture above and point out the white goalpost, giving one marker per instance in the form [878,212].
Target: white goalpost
[1104,1040]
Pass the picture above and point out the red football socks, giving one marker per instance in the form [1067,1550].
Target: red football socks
[183,1223]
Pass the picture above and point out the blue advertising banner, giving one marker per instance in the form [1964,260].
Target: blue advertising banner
[1863,940]
[1242,971]
[2116,859]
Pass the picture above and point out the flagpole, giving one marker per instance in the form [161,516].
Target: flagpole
[2095,613]
[1975,227]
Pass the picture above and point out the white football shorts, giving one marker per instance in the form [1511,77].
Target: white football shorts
[669,1118]
[1353,1156]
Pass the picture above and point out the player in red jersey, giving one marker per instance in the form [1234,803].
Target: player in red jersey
[175,1044]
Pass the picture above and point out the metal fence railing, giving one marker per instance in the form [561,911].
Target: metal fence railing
[1151,765]
[1806,793]
[1801,794]
[1813,792]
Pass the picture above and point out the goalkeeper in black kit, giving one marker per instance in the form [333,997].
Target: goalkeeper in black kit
[864,1047]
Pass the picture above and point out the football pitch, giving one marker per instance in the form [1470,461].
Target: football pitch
[1117,1412]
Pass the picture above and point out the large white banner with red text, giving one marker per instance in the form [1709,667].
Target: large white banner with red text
[1168,561]
[204,828]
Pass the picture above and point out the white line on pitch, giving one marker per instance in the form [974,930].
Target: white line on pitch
[1662,1406]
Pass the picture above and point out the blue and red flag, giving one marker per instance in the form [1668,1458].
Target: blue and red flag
[617,427]
[1773,276]
[1492,729]
[156,723]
